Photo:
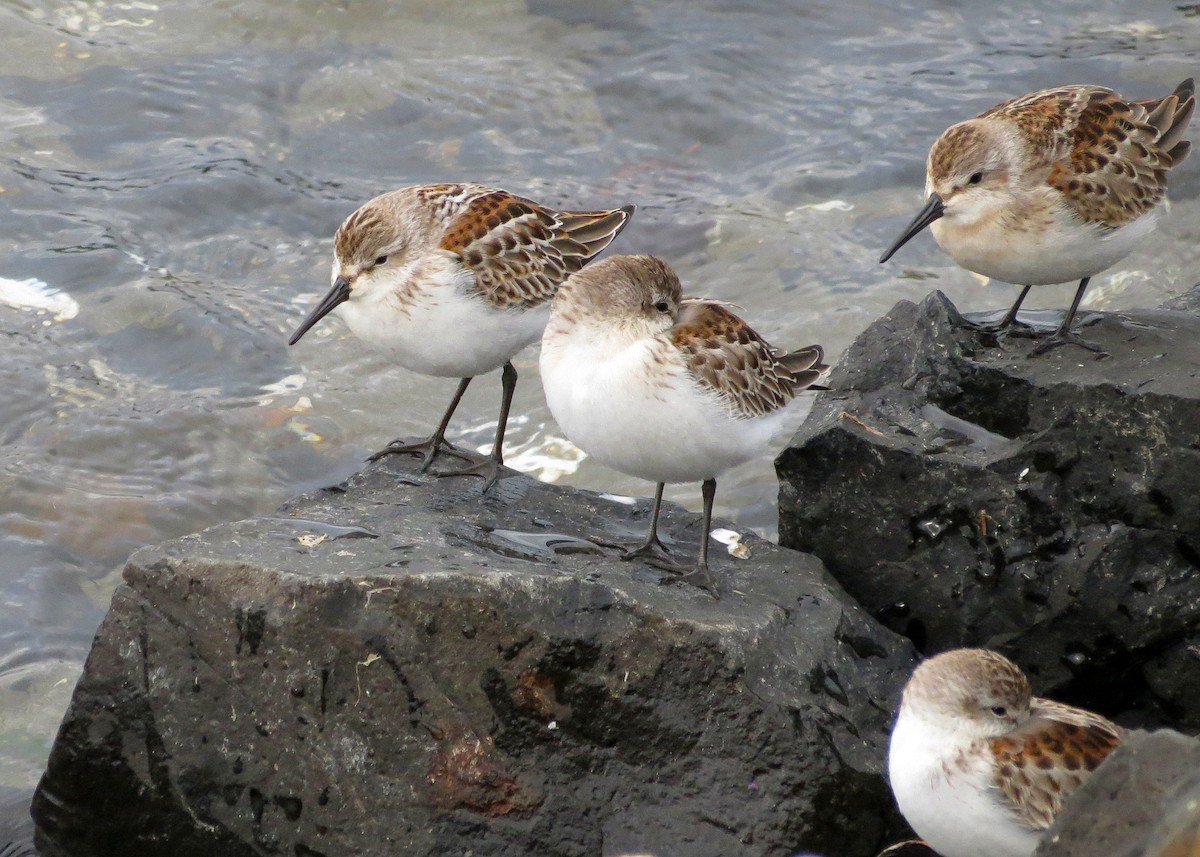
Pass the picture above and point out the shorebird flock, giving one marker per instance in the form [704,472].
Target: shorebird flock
[452,280]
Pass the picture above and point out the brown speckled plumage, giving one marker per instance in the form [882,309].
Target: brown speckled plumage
[1107,156]
[719,350]
[369,227]
[724,354]
[1038,751]
[1054,186]
[452,280]
[1046,758]
[664,387]
[517,250]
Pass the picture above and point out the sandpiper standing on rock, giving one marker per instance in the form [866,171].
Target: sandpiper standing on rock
[979,766]
[664,387]
[452,280]
[1051,187]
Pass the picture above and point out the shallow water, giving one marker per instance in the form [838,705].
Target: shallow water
[171,175]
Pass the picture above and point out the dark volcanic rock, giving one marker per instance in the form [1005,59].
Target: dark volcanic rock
[402,667]
[1144,801]
[969,494]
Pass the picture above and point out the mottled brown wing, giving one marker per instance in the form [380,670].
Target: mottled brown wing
[724,354]
[1109,157]
[1040,764]
[521,251]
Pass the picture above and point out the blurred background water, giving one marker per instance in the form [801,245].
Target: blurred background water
[171,175]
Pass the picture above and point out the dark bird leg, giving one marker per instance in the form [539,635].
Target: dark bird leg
[427,449]
[1064,336]
[708,491]
[489,468]
[1009,320]
[656,555]
[652,548]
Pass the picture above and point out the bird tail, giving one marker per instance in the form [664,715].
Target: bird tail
[805,364]
[594,230]
[1171,116]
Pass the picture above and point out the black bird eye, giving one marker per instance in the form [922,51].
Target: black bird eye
[975,178]
[662,306]
[381,260]
[999,711]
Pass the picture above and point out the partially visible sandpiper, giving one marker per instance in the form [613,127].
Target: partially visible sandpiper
[978,764]
[664,387]
[452,280]
[1051,187]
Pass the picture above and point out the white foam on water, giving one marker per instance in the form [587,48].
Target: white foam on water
[33,294]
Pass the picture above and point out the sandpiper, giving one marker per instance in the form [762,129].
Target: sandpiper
[452,280]
[1052,187]
[664,387]
[979,766]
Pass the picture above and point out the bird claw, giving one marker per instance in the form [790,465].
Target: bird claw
[1021,330]
[488,470]
[426,450]
[655,554]
[658,558]
[1012,328]
[705,581]
[1059,339]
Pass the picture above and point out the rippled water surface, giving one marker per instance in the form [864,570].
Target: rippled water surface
[171,174]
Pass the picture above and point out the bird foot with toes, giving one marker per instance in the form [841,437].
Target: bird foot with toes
[427,450]
[488,469]
[1059,339]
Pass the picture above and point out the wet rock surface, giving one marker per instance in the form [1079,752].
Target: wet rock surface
[967,493]
[1144,801]
[401,666]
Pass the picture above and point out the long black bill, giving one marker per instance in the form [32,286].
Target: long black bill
[932,211]
[340,293]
